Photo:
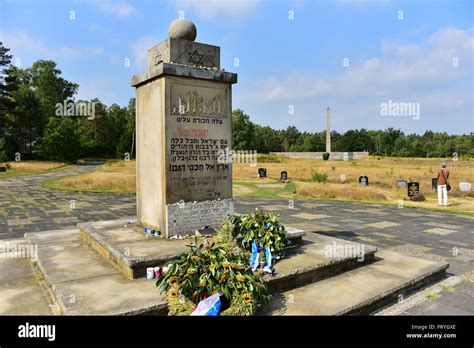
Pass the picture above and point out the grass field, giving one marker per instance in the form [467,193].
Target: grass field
[112,177]
[23,168]
[119,176]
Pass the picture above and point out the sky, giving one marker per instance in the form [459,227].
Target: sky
[294,58]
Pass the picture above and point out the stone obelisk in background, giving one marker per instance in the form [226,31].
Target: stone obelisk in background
[328,131]
[183,125]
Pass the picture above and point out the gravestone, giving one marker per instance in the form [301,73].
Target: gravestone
[363,180]
[343,177]
[3,169]
[183,125]
[262,172]
[465,186]
[283,176]
[401,183]
[434,184]
[413,189]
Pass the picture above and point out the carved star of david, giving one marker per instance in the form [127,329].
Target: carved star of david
[195,57]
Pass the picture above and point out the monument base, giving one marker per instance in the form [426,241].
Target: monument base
[124,244]
[80,281]
[182,218]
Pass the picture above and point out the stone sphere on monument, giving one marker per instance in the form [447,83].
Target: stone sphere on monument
[182,29]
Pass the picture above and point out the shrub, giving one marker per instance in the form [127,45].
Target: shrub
[326,156]
[3,152]
[319,177]
[418,198]
[60,140]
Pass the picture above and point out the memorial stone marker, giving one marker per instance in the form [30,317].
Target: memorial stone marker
[183,123]
[262,172]
[283,176]
[363,180]
[401,183]
[413,189]
[434,184]
[465,186]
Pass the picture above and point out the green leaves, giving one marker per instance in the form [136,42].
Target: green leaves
[209,268]
[265,228]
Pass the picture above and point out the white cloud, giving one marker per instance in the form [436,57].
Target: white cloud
[97,87]
[400,70]
[210,9]
[117,8]
[140,47]
[421,73]
[22,44]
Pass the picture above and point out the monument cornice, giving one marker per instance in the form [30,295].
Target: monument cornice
[169,69]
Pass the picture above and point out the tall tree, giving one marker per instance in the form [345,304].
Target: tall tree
[8,85]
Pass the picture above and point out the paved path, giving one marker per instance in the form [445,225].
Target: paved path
[412,232]
[25,207]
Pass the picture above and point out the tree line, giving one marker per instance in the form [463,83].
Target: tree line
[40,119]
[390,142]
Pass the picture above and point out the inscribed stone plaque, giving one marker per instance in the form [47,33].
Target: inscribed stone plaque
[363,180]
[413,189]
[185,218]
[198,131]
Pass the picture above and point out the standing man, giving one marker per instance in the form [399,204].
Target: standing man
[443,175]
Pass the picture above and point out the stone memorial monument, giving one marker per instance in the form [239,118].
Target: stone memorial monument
[328,131]
[413,189]
[183,125]
[364,180]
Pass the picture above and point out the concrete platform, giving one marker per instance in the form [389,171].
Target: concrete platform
[81,282]
[311,262]
[362,290]
[127,247]
[20,292]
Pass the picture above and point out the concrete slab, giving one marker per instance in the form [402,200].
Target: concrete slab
[360,289]
[54,236]
[23,298]
[81,282]
[317,260]
[20,293]
[109,295]
[13,270]
[62,262]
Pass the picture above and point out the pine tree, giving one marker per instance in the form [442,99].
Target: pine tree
[8,85]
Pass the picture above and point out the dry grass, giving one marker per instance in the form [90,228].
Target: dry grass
[113,176]
[35,165]
[23,168]
[119,176]
[382,173]
[340,191]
